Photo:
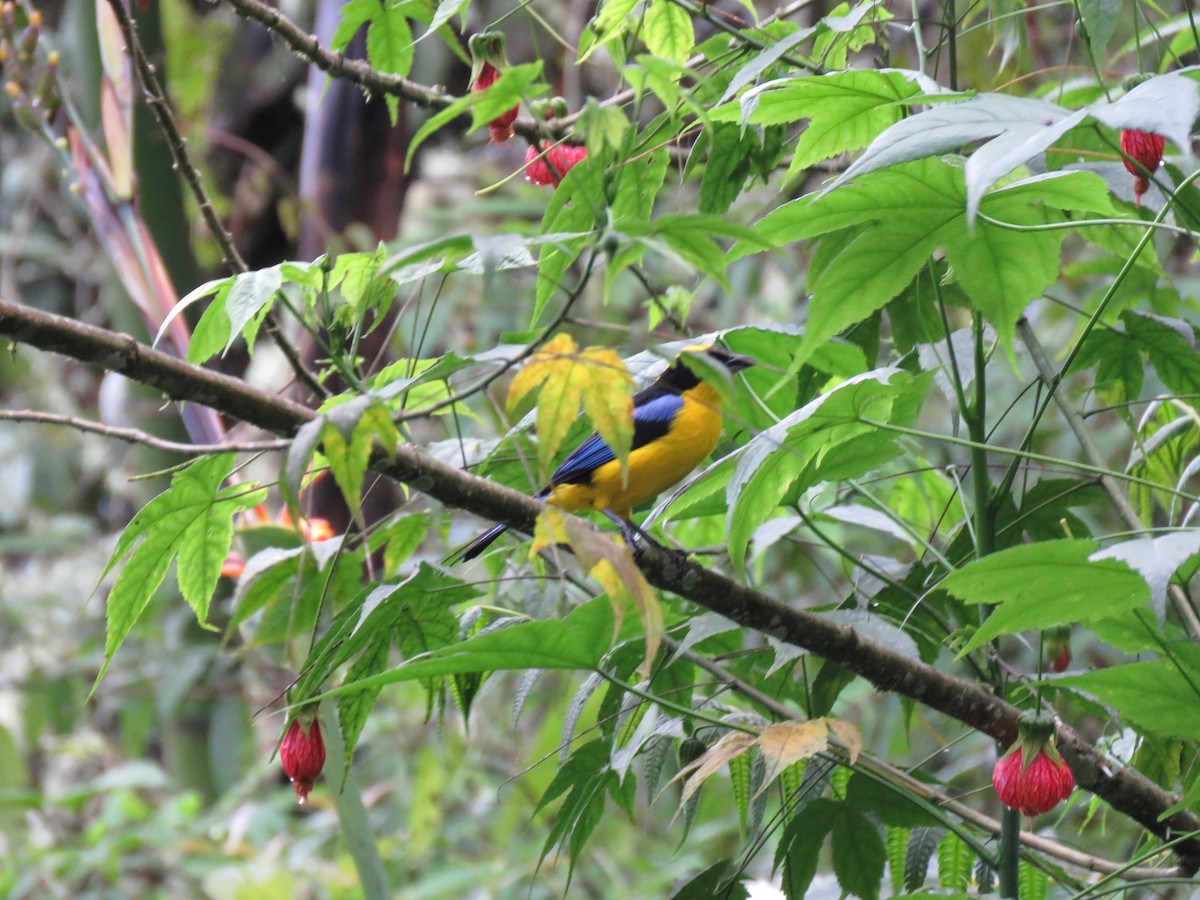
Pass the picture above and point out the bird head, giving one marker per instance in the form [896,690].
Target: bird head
[679,376]
[732,361]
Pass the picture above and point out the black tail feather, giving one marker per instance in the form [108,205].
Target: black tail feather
[476,546]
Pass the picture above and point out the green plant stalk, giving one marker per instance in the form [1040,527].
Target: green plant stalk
[352,817]
[1010,849]
[975,415]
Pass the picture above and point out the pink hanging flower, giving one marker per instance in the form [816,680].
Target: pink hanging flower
[1143,154]
[487,48]
[1032,777]
[550,169]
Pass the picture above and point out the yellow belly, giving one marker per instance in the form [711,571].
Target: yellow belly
[655,467]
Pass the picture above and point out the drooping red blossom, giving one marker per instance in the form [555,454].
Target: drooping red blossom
[1035,788]
[488,50]
[549,169]
[302,754]
[1032,777]
[1143,154]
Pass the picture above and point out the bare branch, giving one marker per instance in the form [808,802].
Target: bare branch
[137,436]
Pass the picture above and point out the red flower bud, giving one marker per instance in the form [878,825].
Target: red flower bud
[303,756]
[1034,788]
[1143,154]
[1057,643]
[551,168]
[489,51]
[1060,662]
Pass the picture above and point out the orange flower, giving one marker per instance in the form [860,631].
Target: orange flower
[310,530]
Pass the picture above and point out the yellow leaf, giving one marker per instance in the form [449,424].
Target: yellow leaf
[539,367]
[731,746]
[548,531]
[612,565]
[558,408]
[595,379]
[848,736]
[608,400]
[789,742]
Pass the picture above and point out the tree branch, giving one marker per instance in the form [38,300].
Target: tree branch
[1125,789]
[137,436]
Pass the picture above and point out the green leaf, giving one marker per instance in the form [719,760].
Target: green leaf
[718,880]
[799,847]
[922,843]
[579,641]
[604,126]
[349,436]
[726,168]
[835,436]
[885,801]
[250,294]
[575,220]
[1038,585]
[390,45]
[515,84]
[1099,19]
[667,31]
[1156,696]
[191,519]
[446,10]
[916,208]
[847,109]
[212,333]
[353,709]
[1121,369]
[858,853]
[954,862]
[1171,348]
[354,15]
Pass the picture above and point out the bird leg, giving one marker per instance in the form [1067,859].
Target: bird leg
[635,537]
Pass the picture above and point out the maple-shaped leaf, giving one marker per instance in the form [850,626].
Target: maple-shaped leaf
[611,564]
[595,379]
[729,747]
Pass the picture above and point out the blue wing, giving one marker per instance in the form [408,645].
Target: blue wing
[652,418]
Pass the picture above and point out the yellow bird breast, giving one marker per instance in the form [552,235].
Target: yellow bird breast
[654,467]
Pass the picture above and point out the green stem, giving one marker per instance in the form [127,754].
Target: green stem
[952,43]
[1010,848]
[976,416]
[352,816]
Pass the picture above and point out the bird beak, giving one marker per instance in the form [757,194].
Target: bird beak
[735,362]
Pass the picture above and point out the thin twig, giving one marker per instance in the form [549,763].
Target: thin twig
[137,436]
[1125,511]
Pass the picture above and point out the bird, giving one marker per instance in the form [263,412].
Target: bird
[676,424]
